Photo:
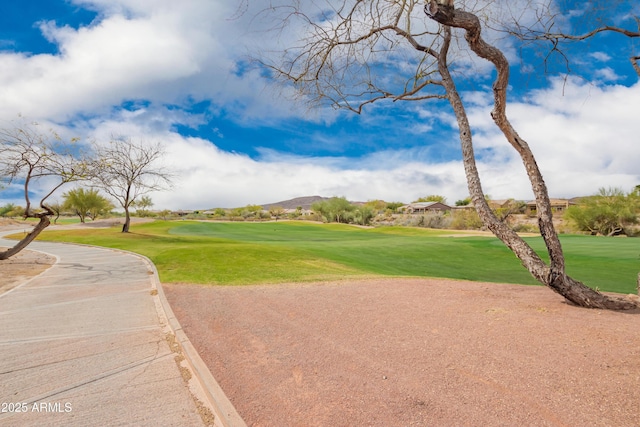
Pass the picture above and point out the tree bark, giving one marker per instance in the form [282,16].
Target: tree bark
[552,275]
[127,221]
[42,224]
[635,61]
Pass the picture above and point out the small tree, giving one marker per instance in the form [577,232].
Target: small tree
[610,212]
[164,214]
[363,215]
[126,170]
[237,214]
[276,212]
[29,155]
[143,204]
[86,203]
[335,209]
[252,211]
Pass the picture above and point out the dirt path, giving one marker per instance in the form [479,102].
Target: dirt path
[402,352]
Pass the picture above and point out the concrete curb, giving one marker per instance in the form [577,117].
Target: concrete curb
[224,411]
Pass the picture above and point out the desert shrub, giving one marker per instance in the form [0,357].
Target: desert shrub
[4,210]
[141,213]
[526,228]
[14,212]
[466,219]
[436,220]
[610,212]
[196,216]
[314,216]
[632,230]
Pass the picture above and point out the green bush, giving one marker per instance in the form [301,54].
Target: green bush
[12,211]
[466,219]
[610,212]
[4,210]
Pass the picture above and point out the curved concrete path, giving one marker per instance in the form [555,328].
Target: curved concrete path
[87,342]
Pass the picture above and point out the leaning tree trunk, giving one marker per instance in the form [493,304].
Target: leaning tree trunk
[552,275]
[42,224]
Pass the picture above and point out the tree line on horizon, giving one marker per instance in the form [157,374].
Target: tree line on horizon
[608,212]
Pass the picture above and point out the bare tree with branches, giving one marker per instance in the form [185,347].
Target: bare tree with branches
[126,170]
[552,32]
[28,156]
[352,55]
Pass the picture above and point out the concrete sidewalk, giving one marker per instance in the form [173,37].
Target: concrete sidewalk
[87,343]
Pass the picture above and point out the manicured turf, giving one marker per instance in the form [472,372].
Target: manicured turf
[249,253]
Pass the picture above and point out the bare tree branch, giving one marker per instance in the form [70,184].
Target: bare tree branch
[126,170]
[548,28]
[29,155]
[341,58]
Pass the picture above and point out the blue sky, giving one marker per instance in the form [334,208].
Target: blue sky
[176,72]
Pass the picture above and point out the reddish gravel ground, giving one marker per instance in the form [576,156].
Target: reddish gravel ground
[423,352]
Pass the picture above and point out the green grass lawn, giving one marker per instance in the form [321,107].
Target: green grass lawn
[63,220]
[251,253]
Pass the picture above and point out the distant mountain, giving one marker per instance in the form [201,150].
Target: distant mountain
[304,202]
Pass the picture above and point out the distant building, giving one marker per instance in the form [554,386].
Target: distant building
[424,207]
[302,212]
[558,206]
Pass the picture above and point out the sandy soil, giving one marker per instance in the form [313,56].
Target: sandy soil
[21,267]
[423,352]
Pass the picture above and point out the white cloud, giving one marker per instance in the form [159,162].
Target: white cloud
[582,135]
[607,74]
[222,179]
[98,67]
[600,56]
[165,52]
[576,159]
